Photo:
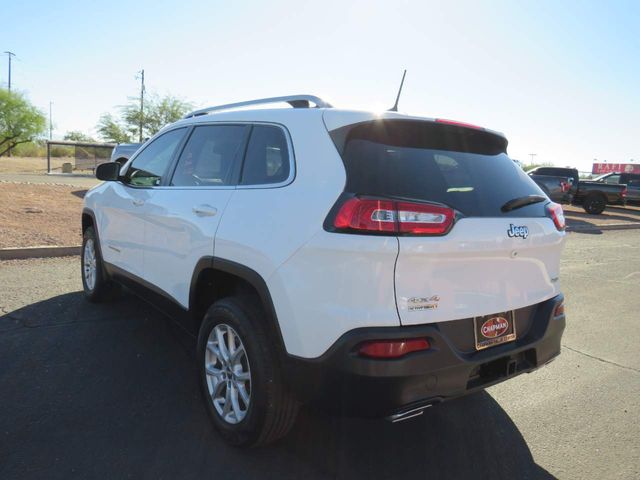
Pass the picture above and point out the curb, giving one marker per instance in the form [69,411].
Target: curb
[611,226]
[15,182]
[38,252]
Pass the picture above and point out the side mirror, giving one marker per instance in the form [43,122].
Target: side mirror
[108,172]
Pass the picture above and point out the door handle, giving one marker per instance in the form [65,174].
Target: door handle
[138,202]
[205,210]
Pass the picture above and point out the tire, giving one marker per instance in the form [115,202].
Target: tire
[97,286]
[271,410]
[594,203]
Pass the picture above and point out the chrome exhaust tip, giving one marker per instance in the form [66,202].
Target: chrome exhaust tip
[407,414]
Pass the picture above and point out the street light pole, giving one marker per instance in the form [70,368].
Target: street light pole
[532,155]
[10,54]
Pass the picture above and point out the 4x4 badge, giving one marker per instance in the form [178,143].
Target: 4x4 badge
[518,231]
[423,303]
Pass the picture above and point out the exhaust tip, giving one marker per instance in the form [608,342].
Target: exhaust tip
[407,414]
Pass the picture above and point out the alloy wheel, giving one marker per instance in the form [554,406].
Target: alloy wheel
[228,374]
[89,264]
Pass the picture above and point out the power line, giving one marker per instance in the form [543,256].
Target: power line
[10,54]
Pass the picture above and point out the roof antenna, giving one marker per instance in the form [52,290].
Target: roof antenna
[395,105]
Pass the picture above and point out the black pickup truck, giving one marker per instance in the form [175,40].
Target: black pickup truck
[593,196]
[631,180]
[557,188]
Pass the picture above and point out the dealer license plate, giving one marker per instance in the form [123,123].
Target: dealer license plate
[495,329]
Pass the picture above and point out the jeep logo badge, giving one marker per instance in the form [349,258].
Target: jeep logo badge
[518,231]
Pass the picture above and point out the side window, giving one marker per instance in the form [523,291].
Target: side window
[632,180]
[267,158]
[615,179]
[209,156]
[149,167]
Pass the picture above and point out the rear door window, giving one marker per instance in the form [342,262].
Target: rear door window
[466,169]
[211,157]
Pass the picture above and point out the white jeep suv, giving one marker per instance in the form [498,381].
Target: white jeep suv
[371,264]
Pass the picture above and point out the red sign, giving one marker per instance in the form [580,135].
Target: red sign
[494,327]
[615,168]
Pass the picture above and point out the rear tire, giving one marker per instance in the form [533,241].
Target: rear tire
[245,394]
[594,203]
[95,282]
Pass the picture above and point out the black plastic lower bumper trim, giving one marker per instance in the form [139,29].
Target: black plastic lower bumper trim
[343,382]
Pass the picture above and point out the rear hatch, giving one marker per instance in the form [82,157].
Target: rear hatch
[474,235]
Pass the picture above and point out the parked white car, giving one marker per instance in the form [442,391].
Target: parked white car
[372,264]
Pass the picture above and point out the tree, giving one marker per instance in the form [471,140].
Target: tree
[158,112]
[76,136]
[20,121]
[112,130]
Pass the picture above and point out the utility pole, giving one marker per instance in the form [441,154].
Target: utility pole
[50,122]
[10,54]
[141,102]
[532,155]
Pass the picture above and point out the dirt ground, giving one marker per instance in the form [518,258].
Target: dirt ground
[39,214]
[31,164]
[34,215]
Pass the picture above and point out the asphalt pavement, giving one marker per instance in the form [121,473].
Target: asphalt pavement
[110,391]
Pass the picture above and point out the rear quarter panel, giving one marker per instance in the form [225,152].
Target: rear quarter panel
[322,284]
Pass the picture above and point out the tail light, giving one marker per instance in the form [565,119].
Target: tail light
[623,193]
[379,215]
[392,348]
[564,186]
[557,215]
[559,310]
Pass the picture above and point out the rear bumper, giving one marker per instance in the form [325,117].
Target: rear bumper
[343,382]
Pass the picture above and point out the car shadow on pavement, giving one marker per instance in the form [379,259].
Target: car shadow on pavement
[580,226]
[111,391]
[80,193]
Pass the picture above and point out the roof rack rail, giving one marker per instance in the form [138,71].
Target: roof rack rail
[296,101]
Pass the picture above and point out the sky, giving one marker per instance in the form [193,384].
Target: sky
[560,79]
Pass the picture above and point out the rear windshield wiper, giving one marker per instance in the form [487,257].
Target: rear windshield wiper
[522,202]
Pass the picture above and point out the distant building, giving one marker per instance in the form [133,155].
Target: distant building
[615,167]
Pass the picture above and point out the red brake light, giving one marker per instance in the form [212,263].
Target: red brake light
[370,215]
[376,215]
[564,186]
[623,193]
[392,348]
[557,215]
[559,310]
[458,124]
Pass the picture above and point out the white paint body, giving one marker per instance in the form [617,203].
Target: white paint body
[322,284]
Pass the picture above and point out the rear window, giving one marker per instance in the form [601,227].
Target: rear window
[463,168]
